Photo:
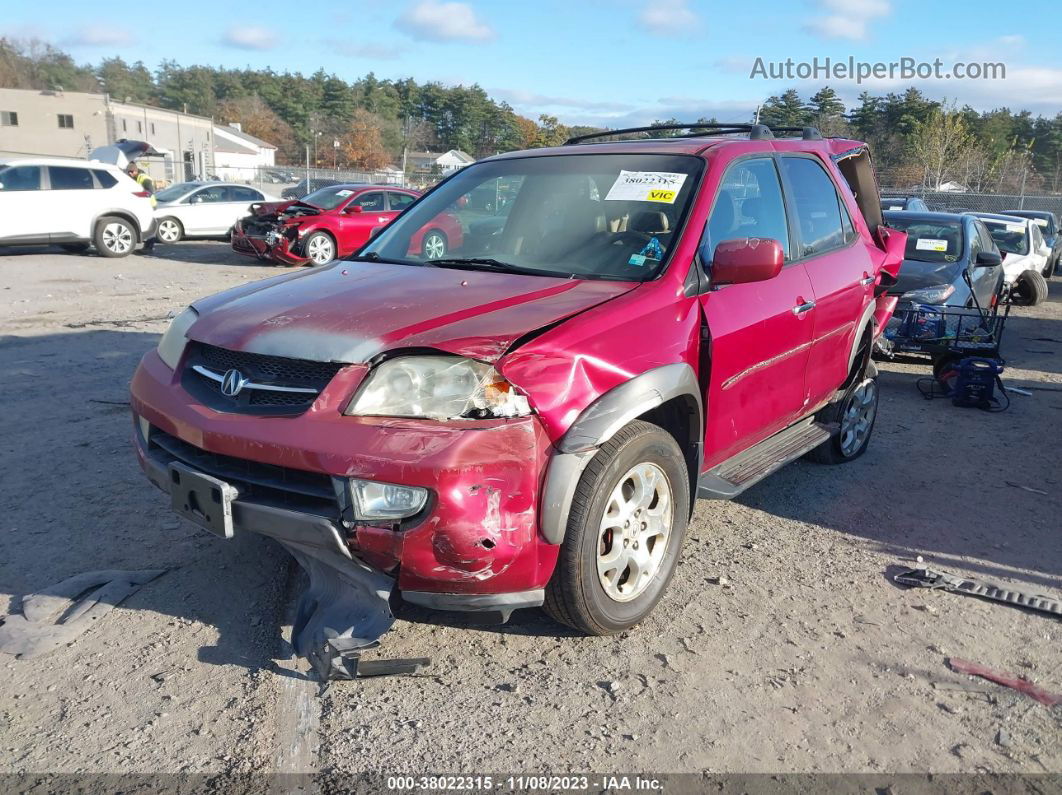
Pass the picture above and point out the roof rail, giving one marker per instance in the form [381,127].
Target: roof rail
[756,132]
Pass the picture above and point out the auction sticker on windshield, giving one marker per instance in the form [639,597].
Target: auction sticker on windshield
[646,186]
[929,244]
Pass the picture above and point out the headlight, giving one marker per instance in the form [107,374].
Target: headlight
[937,294]
[385,501]
[438,388]
[171,346]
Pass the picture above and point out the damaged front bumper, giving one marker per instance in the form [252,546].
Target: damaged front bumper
[268,245]
[475,546]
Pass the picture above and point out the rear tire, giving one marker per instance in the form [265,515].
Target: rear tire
[1029,289]
[855,414]
[114,237]
[169,230]
[624,534]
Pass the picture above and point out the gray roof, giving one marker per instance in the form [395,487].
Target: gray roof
[257,142]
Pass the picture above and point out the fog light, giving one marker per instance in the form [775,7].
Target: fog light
[385,501]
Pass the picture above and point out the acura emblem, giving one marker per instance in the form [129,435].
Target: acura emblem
[232,383]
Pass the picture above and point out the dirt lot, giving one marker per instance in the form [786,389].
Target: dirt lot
[808,658]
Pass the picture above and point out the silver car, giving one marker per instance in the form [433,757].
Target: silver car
[203,209]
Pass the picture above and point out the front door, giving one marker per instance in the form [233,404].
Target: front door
[761,333]
[365,212]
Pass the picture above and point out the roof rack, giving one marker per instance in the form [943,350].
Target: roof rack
[757,132]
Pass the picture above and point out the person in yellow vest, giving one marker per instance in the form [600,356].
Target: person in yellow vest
[144,181]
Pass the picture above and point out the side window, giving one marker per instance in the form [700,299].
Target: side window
[65,178]
[846,221]
[816,208]
[20,178]
[240,194]
[208,195]
[987,243]
[749,204]
[399,201]
[976,244]
[371,202]
[1038,239]
[105,179]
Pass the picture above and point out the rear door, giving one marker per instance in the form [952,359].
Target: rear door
[76,201]
[761,333]
[205,211]
[238,205]
[840,268]
[26,212]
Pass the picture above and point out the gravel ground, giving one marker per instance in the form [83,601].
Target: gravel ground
[782,645]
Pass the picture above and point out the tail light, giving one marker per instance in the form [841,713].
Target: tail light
[143,194]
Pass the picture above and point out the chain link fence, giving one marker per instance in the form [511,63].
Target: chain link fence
[962,202]
[295,181]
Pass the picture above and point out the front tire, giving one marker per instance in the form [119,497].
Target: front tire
[114,237]
[169,231]
[434,245]
[625,532]
[1029,289]
[320,248]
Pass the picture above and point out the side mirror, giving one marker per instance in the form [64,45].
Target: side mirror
[987,259]
[744,260]
[355,208]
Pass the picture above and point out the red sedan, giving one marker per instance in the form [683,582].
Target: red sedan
[334,222]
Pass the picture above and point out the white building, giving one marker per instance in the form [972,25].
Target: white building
[238,156]
[433,162]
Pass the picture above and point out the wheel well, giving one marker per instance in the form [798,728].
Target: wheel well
[863,351]
[680,417]
[125,216]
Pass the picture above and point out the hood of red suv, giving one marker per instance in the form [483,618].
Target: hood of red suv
[352,311]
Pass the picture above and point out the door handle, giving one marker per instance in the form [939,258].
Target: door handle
[866,281]
[800,309]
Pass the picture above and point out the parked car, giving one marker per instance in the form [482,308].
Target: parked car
[335,222]
[1024,255]
[74,204]
[203,209]
[913,203]
[950,260]
[527,422]
[305,187]
[1049,228]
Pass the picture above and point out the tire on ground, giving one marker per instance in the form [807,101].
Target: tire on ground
[576,595]
[169,230]
[434,244]
[114,237]
[318,239]
[1030,289]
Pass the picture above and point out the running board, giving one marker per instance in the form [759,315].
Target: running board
[733,476]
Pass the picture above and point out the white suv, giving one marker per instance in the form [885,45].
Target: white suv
[72,203]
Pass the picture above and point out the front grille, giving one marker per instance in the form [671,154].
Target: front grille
[283,486]
[258,369]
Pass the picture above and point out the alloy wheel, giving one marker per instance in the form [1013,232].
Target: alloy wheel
[632,538]
[169,231]
[858,416]
[320,250]
[434,246]
[118,238]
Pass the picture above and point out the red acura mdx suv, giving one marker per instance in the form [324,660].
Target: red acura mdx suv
[528,419]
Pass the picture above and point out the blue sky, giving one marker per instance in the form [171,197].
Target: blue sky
[588,61]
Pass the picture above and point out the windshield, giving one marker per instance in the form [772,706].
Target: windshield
[582,216]
[175,191]
[1045,220]
[328,198]
[1011,238]
[930,241]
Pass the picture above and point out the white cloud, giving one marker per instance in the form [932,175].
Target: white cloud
[250,37]
[668,17]
[848,19]
[538,102]
[430,20]
[99,36]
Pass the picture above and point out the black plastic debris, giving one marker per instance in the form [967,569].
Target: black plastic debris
[925,577]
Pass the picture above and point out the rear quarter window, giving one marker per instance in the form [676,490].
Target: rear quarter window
[105,179]
[67,178]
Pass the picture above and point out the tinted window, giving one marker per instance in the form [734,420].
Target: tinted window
[400,201]
[240,194]
[976,245]
[749,204]
[846,221]
[816,206]
[64,178]
[987,243]
[371,202]
[1011,238]
[106,179]
[209,195]
[20,178]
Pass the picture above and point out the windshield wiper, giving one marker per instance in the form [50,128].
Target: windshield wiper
[490,264]
[372,256]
